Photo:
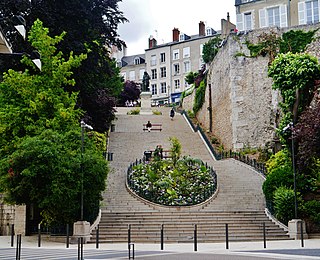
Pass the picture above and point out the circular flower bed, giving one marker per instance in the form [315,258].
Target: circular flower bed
[186,181]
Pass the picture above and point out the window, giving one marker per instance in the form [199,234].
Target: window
[163,87]
[201,49]
[163,72]
[273,16]
[177,83]
[187,67]
[141,72]
[136,61]
[153,60]
[175,54]
[186,52]
[154,89]
[154,74]
[312,11]
[247,21]
[162,57]
[176,69]
[132,75]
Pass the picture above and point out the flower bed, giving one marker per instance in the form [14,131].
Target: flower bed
[184,182]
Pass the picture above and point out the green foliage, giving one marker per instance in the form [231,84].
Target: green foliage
[284,204]
[156,112]
[199,97]
[280,173]
[294,76]
[175,150]
[296,41]
[40,138]
[312,210]
[268,43]
[214,140]
[186,183]
[135,111]
[190,114]
[191,76]
[210,49]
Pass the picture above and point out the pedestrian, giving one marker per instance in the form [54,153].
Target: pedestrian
[149,125]
[172,114]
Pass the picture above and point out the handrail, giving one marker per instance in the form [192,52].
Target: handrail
[148,195]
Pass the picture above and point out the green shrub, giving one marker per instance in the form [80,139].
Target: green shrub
[312,210]
[156,112]
[214,140]
[175,151]
[284,204]
[190,114]
[135,111]
[199,97]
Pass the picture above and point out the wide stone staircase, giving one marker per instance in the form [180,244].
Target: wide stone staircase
[238,203]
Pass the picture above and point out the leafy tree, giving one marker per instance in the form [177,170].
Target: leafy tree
[90,26]
[199,97]
[131,91]
[294,76]
[191,76]
[210,49]
[40,137]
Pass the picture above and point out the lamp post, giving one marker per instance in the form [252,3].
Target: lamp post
[290,127]
[83,127]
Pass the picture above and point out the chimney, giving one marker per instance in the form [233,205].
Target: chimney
[175,34]
[202,29]
[152,42]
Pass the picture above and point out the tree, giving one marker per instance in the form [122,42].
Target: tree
[210,49]
[40,137]
[294,76]
[131,91]
[91,26]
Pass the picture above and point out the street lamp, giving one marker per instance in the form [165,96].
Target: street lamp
[83,127]
[290,127]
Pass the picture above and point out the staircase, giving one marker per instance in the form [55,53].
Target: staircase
[239,201]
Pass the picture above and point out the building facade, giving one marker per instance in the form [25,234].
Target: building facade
[168,64]
[255,14]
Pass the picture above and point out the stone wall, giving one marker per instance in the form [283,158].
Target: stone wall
[244,106]
[6,218]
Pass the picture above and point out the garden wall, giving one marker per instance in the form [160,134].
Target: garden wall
[244,106]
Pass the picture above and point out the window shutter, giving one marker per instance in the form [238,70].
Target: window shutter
[240,26]
[301,13]
[262,18]
[283,16]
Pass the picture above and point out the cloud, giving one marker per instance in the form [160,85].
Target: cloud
[140,20]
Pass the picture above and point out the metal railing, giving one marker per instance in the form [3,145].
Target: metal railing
[153,196]
[260,167]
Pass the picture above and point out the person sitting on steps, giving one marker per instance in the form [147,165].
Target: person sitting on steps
[148,126]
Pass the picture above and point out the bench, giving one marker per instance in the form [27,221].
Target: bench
[155,127]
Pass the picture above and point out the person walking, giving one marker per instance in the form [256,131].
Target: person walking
[172,114]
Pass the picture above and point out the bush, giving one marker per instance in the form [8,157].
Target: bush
[135,111]
[312,210]
[284,204]
[156,112]
[199,97]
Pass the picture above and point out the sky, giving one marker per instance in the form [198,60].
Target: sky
[159,17]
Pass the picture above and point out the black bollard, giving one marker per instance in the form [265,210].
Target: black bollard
[68,237]
[227,237]
[97,237]
[78,248]
[129,250]
[301,230]
[39,235]
[129,236]
[18,249]
[12,235]
[162,237]
[195,238]
[264,236]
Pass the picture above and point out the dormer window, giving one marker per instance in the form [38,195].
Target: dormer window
[137,61]
[210,31]
[183,37]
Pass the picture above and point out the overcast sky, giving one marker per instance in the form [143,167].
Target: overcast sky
[159,17]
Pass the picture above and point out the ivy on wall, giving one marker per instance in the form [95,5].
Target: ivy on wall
[199,97]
